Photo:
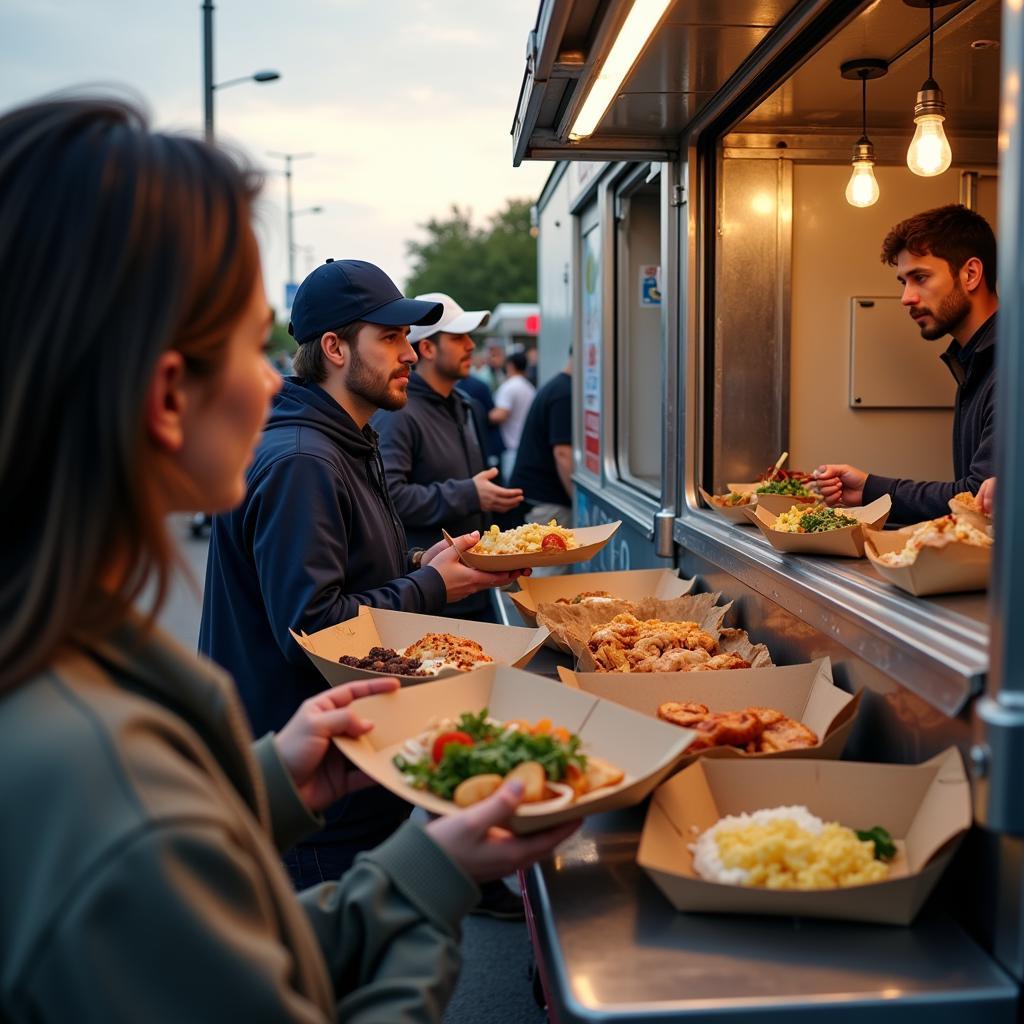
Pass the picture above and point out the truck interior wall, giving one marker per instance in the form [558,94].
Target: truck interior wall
[836,257]
[554,281]
[746,397]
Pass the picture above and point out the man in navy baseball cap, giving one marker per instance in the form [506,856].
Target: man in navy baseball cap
[344,291]
[317,535]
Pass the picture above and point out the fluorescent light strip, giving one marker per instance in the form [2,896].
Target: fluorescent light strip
[638,27]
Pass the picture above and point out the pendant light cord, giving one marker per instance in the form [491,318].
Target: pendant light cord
[931,37]
[864,103]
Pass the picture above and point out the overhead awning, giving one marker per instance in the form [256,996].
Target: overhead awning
[696,47]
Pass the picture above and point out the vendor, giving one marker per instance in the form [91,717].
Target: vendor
[946,262]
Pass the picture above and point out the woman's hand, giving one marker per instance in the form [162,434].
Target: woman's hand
[474,839]
[322,774]
[460,580]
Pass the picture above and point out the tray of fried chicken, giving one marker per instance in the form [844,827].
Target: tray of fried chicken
[792,710]
[683,634]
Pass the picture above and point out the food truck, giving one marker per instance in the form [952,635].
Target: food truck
[724,302]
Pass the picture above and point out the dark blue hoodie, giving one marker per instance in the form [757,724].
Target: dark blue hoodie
[315,538]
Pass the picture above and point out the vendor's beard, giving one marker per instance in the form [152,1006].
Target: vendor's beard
[950,314]
[372,386]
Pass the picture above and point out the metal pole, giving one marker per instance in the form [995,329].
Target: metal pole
[207,7]
[291,217]
[998,757]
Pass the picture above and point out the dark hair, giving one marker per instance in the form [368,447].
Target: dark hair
[518,360]
[308,361]
[117,244]
[951,233]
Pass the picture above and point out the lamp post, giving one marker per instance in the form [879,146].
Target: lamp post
[208,83]
[290,214]
[294,247]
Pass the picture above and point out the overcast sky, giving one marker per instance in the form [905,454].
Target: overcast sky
[407,104]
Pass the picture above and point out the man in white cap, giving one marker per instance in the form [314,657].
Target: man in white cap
[433,455]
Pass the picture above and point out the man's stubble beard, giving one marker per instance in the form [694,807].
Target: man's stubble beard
[373,387]
[952,311]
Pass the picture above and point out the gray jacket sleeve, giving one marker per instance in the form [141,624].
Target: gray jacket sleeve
[422,504]
[179,925]
[290,819]
[390,930]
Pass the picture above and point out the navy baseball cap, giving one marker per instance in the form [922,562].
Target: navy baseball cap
[344,291]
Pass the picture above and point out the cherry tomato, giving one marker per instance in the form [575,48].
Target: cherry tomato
[553,542]
[442,741]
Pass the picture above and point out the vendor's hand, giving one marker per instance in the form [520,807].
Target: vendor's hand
[460,580]
[474,839]
[987,496]
[840,484]
[494,498]
[322,774]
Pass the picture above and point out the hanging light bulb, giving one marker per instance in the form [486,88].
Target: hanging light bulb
[929,153]
[862,188]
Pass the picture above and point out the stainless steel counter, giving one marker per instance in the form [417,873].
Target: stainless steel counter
[935,647]
[610,948]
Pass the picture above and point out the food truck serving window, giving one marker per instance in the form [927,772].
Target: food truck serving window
[638,284]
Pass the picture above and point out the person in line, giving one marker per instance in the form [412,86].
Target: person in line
[532,359]
[435,466]
[511,404]
[317,535]
[150,889]
[475,388]
[493,372]
[544,462]
[946,262]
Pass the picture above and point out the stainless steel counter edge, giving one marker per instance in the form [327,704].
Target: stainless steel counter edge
[940,655]
[993,1002]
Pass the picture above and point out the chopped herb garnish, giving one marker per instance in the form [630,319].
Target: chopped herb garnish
[885,848]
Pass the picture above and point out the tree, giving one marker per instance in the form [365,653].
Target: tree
[478,267]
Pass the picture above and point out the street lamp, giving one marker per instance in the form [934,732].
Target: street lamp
[290,214]
[208,83]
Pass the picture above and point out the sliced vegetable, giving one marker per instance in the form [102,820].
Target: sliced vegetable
[446,738]
[553,542]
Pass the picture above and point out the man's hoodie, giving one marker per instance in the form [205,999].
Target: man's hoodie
[431,453]
[315,538]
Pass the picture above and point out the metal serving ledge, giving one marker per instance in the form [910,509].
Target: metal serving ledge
[611,948]
[936,647]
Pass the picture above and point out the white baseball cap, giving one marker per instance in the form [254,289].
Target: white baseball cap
[454,319]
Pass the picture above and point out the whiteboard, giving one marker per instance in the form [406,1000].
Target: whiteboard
[891,365]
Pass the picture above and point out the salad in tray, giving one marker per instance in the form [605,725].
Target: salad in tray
[466,759]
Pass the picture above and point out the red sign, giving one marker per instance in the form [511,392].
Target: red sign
[592,441]
[533,323]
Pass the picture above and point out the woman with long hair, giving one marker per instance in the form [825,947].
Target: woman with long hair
[140,877]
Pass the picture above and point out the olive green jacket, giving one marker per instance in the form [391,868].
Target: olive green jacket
[139,872]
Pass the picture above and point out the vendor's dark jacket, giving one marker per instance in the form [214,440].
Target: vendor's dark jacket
[973,367]
[315,538]
[431,452]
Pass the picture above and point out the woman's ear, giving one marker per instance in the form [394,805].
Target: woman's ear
[167,402]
